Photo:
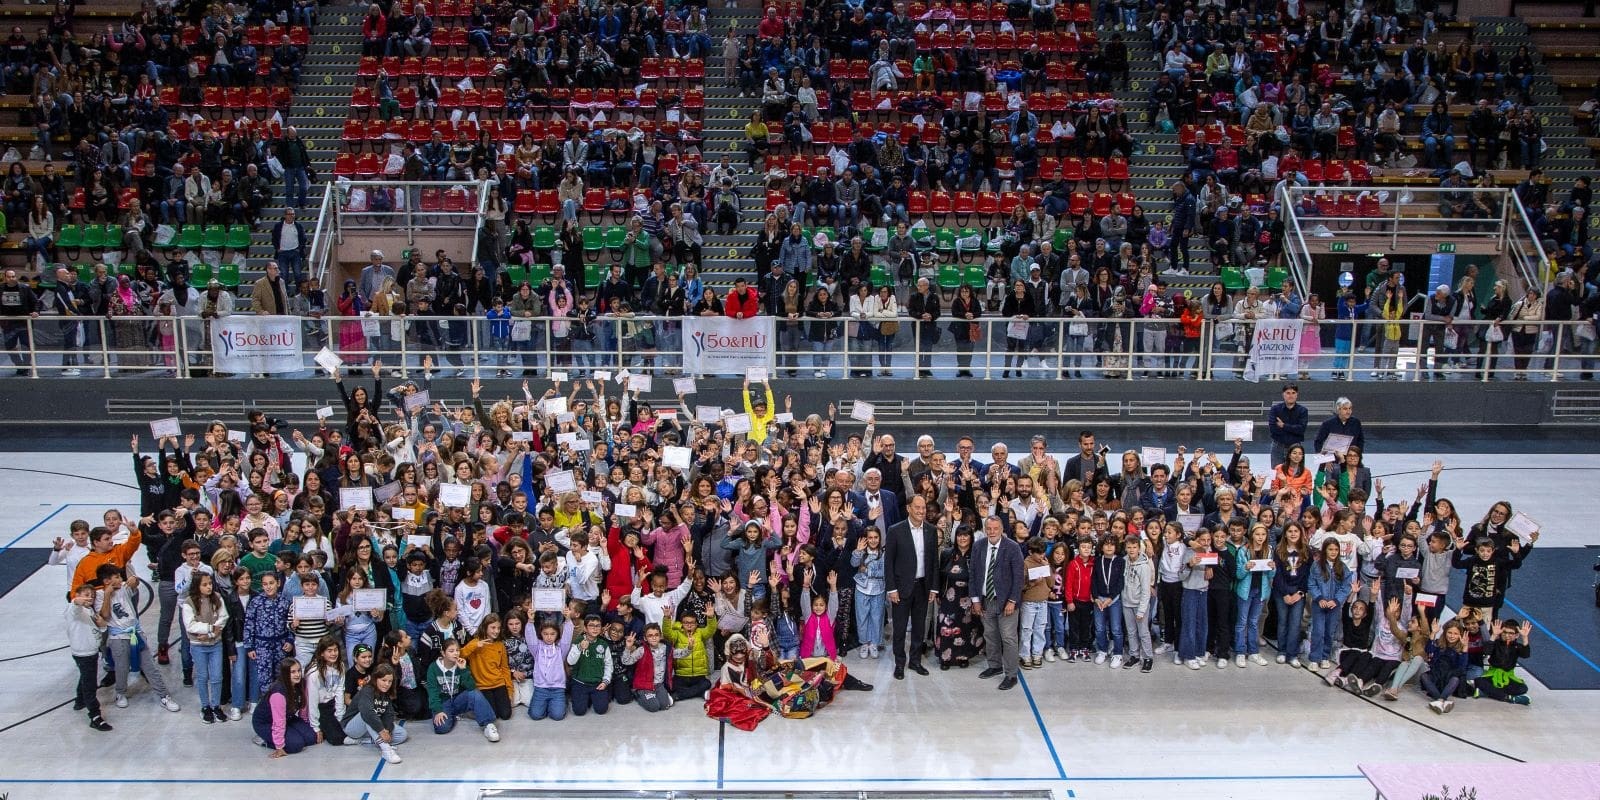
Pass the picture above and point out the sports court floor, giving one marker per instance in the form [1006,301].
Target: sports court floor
[1080,731]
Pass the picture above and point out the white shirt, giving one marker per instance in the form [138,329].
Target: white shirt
[916,544]
[290,239]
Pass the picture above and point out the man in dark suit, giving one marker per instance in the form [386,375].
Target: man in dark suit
[910,554]
[1087,466]
[997,578]
[875,504]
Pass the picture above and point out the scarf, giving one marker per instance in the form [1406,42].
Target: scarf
[1392,310]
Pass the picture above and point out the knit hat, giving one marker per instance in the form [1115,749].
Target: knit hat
[736,643]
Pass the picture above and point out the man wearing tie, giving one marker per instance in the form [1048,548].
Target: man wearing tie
[909,555]
[996,594]
[875,504]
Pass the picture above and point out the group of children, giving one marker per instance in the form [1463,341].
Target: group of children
[583,572]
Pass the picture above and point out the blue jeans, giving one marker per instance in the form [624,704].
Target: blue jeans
[472,702]
[208,673]
[1108,628]
[295,185]
[1192,642]
[1034,619]
[1058,624]
[1289,617]
[245,688]
[550,703]
[290,265]
[1324,621]
[869,617]
[1247,624]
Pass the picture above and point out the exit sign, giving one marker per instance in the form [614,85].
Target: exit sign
[1339,247]
[1447,247]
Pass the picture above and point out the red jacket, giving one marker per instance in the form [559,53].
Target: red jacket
[624,566]
[1076,589]
[748,304]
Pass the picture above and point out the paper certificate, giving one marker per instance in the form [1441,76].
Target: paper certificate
[561,481]
[558,377]
[167,426]
[739,423]
[684,386]
[707,415]
[368,600]
[418,541]
[359,497]
[1035,573]
[1207,559]
[783,419]
[592,497]
[554,406]
[1337,443]
[1152,456]
[1259,565]
[417,400]
[522,436]
[862,411]
[1407,573]
[1523,526]
[566,438]
[311,607]
[455,495]
[237,437]
[1190,522]
[677,457]
[329,360]
[403,514]
[624,510]
[1238,430]
[1426,600]
[640,383]
[549,599]
[756,374]
[324,412]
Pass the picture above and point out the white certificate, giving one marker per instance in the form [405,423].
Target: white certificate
[580,445]
[167,426]
[592,497]
[403,514]
[677,457]
[455,495]
[1337,443]
[625,510]
[368,600]
[522,436]
[1017,330]
[1190,522]
[602,374]
[561,480]
[684,386]
[1035,573]
[324,412]
[549,599]
[739,423]
[417,400]
[1152,456]
[563,419]
[566,438]
[755,374]
[386,491]
[862,411]
[640,383]
[1207,559]
[236,437]
[783,419]
[360,497]
[558,377]
[329,360]
[339,612]
[1323,458]
[1523,526]
[554,406]
[708,415]
[1407,573]
[417,542]
[310,607]
[1260,565]
[1238,429]
[1426,600]
[622,377]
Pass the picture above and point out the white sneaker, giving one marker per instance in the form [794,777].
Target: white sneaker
[1282,659]
[1437,706]
[170,704]
[1238,661]
[1194,663]
[259,742]
[71,373]
[1061,653]
[390,754]
[1099,658]
[1049,656]
[122,701]
[1223,662]
[819,374]
[1116,662]
[1448,705]
[865,652]
[1255,658]
[877,651]
[1176,659]
[1164,648]
[1324,664]
[1294,662]
[491,733]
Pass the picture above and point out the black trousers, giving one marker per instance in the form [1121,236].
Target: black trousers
[689,688]
[89,682]
[913,612]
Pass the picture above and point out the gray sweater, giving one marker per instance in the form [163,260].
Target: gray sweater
[1137,585]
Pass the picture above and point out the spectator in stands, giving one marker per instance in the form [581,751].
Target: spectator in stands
[1483,131]
[295,161]
[269,295]
[287,61]
[40,244]
[288,245]
[1438,139]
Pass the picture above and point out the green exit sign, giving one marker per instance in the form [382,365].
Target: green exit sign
[1447,247]
[1339,247]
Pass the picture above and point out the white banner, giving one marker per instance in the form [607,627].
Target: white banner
[250,344]
[725,346]
[1274,348]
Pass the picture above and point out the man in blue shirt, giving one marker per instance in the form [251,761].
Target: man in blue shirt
[1286,422]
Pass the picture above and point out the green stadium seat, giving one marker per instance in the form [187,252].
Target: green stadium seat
[1233,279]
[239,237]
[949,277]
[229,275]
[70,236]
[190,237]
[544,238]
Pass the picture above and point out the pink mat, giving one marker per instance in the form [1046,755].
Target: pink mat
[1494,781]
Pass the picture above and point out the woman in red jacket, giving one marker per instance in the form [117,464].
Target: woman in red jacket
[374,32]
[627,560]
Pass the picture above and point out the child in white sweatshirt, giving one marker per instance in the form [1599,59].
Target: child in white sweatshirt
[84,631]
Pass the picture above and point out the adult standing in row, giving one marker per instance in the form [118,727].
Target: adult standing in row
[997,595]
[1286,422]
[910,553]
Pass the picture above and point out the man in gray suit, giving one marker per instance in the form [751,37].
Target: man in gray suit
[996,595]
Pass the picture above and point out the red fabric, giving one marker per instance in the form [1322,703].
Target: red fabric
[735,709]
[1077,584]
[748,304]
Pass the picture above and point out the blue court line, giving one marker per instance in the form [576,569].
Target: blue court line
[1061,772]
[37,525]
[1554,637]
[377,771]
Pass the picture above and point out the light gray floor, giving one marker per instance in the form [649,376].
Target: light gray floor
[1082,731]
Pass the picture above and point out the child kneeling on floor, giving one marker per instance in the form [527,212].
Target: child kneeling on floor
[1499,680]
[453,692]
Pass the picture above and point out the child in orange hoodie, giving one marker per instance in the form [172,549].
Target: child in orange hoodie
[491,667]
[1080,605]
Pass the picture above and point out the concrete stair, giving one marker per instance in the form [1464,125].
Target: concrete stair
[726,113]
[1567,155]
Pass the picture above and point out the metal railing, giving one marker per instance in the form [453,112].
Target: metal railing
[410,206]
[1405,214]
[987,349]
